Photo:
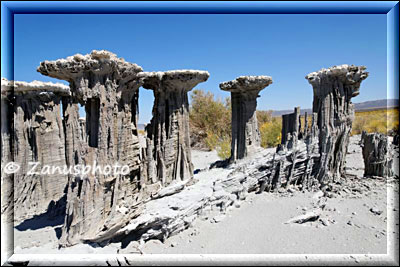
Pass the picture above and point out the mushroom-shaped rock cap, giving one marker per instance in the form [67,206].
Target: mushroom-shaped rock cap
[174,79]
[244,84]
[347,75]
[19,87]
[97,62]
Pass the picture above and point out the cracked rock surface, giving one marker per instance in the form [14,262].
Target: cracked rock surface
[38,137]
[167,157]
[245,133]
[99,204]
[333,90]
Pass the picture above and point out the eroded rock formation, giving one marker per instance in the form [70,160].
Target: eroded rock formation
[168,153]
[7,195]
[38,140]
[294,163]
[377,154]
[100,202]
[245,133]
[290,124]
[309,158]
[333,90]
[102,207]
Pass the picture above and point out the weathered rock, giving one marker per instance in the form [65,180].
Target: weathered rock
[170,190]
[290,124]
[377,154]
[396,139]
[7,179]
[38,140]
[333,90]
[376,211]
[218,191]
[309,216]
[307,160]
[101,207]
[168,153]
[245,133]
[100,203]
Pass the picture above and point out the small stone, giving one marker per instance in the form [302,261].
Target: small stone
[218,218]
[281,190]
[324,222]
[290,190]
[376,211]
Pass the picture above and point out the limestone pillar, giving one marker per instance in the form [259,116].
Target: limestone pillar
[333,90]
[38,139]
[168,153]
[377,154]
[100,203]
[7,192]
[290,124]
[245,133]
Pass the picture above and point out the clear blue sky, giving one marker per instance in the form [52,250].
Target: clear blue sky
[286,47]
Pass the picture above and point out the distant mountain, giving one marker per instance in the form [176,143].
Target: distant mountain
[377,104]
[367,105]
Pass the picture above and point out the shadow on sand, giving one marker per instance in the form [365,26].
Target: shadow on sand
[54,216]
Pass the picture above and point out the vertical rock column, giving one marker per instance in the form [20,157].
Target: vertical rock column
[100,203]
[245,133]
[333,90]
[168,156]
[290,124]
[38,138]
[377,154]
[7,192]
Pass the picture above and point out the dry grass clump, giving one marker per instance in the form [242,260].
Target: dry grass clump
[384,121]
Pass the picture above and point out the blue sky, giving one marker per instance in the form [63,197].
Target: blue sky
[286,47]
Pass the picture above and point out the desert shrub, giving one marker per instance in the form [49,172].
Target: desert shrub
[224,148]
[359,124]
[383,121]
[264,116]
[211,140]
[271,132]
[210,121]
[210,115]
